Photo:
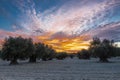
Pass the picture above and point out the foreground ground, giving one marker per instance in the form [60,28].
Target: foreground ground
[68,69]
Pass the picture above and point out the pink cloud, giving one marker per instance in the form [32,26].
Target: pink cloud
[73,19]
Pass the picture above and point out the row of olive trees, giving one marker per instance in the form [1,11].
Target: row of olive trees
[15,48]
[103,49]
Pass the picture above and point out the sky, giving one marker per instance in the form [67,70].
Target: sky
[66,25]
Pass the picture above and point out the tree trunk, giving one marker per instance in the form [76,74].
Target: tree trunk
[44,59]
[14,61]
[32,59]
[104,60]
[50,58]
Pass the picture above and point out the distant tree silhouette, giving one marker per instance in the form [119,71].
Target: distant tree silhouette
[83,54]
[15,48]
[116,51]
[61,55]
[71,55]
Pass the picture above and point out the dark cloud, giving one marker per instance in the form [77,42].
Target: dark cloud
[59,35]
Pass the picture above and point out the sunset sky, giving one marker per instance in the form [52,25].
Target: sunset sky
[66,25]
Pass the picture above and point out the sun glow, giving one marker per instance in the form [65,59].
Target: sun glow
[70,45]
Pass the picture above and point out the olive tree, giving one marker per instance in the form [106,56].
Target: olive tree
[103,49]
[15,48]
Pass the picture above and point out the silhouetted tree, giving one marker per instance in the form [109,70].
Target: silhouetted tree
[43,52]
[103,49]
[15,48]
[48,54]
[39,50]
[93,44]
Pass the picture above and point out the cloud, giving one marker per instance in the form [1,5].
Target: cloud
[109,31]
[71,19]
[70,26]
[5,34]
[59,35]
[68,18]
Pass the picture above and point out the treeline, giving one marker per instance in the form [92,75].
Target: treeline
[15,48]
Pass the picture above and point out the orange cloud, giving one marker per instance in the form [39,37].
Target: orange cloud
[70,44]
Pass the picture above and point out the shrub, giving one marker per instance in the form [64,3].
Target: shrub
[71,55]
[61,55]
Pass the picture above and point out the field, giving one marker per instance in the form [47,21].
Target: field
[68,69]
